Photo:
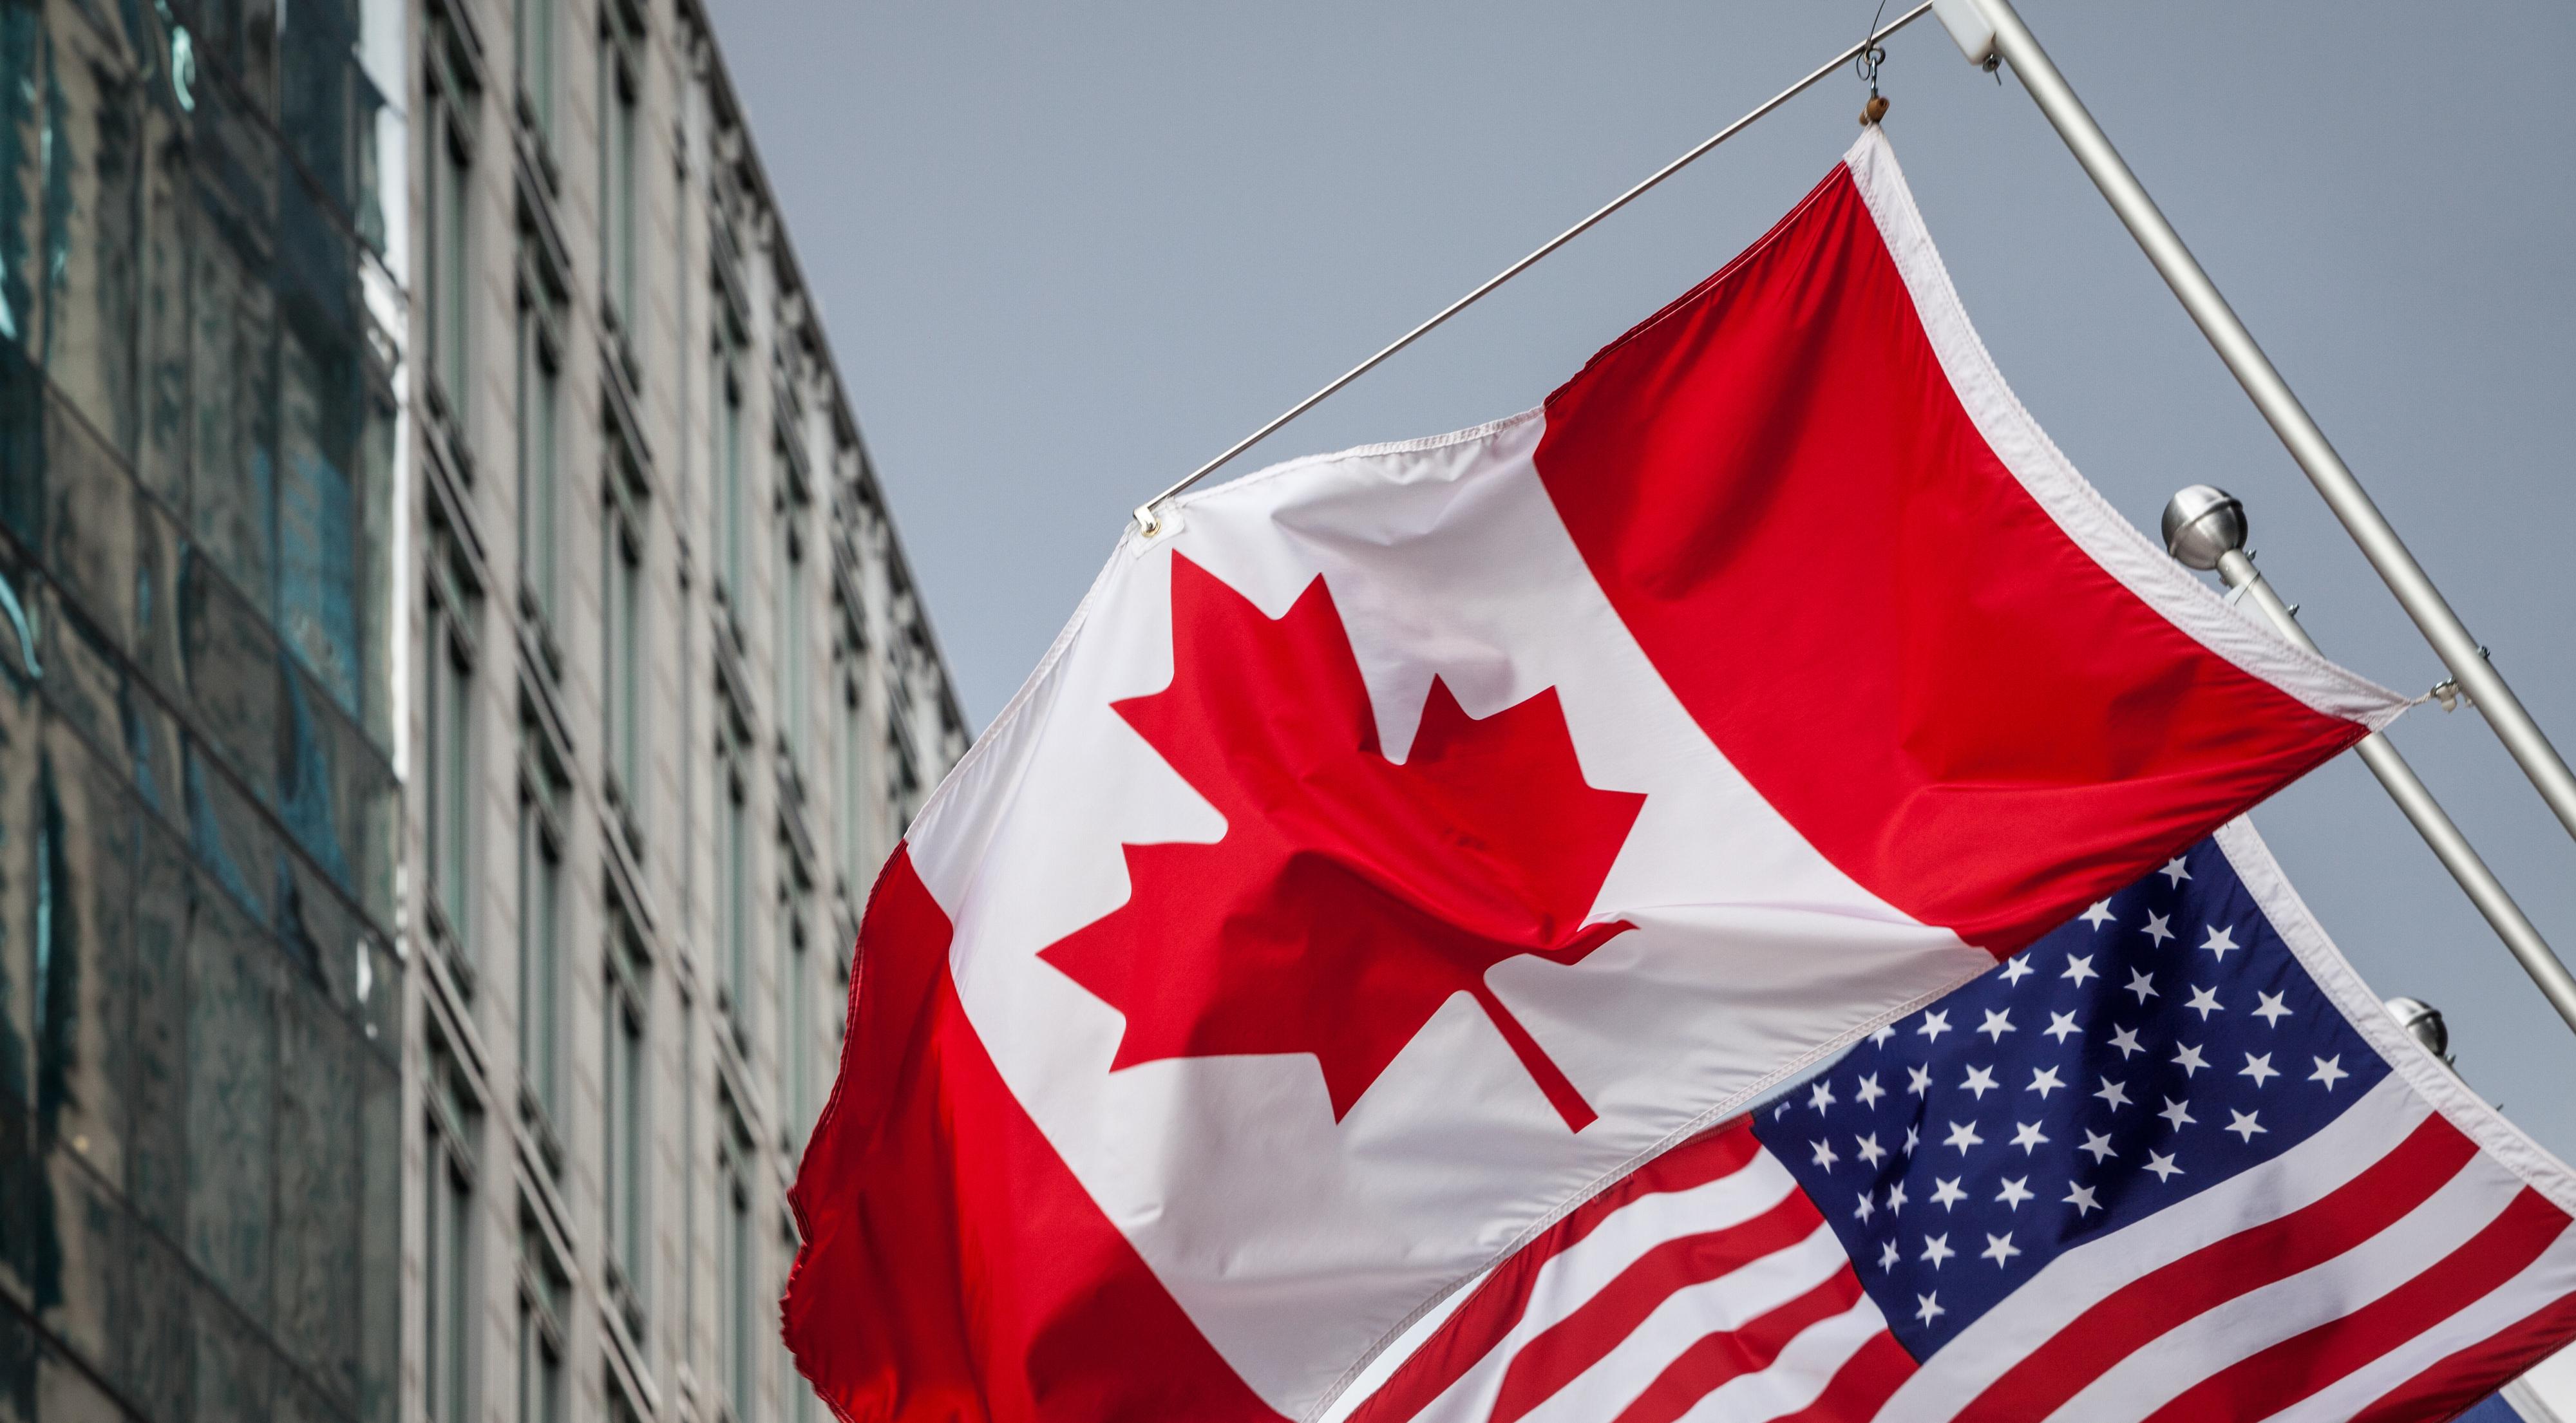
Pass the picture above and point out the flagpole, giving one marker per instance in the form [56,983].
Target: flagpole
[1149,523]
[2205,528]
[2004,35]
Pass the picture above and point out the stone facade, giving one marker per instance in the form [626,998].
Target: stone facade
[671,702]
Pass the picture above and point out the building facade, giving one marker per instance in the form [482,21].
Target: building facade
[671,700]
[457,682]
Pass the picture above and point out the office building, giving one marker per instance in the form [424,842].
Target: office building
[457,681]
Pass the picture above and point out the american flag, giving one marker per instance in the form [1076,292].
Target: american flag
[2171,1162]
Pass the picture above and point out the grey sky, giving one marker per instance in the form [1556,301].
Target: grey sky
[1067,252]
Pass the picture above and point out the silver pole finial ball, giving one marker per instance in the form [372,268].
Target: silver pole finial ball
[2423,1022]
[2203,524]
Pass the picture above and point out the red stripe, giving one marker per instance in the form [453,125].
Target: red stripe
[1775,485]
[2474,1372]
[2141,1311]
[2264,1383]
[1559,1353]
[1862,1386]
[1499,1302]
[1716,1359]
[953,1268]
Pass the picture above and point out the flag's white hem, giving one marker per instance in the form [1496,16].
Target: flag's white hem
[2425,1073]
[2043,469]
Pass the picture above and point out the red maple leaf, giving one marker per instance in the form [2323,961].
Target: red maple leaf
[1351,896]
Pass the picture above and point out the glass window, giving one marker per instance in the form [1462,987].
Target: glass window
[445,283]
[791,631]
[536,61]
[622,1137]
[795,1008]
[540,961]
[735,905]
[455,1121]
[729,477]
[545,1293]
[622,650]
[448,755]
[849,791]
[539,407]
[617,170]
[737,1267]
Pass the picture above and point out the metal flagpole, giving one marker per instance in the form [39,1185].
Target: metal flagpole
[1988,29]
[2205,528]
[1148,522]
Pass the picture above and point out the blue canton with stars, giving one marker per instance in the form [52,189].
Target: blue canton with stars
[2155,1046]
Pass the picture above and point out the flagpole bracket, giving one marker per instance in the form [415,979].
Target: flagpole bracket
[1155,521]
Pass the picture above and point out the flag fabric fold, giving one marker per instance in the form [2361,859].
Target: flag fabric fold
[1404,846]
[2172,1162]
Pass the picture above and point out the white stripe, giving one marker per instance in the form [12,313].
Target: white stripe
[2284,1309]
[1579,1272]
[2551,1277]
[2085,1275]
[1799,1375]
[1687,1316]
[2432,1080]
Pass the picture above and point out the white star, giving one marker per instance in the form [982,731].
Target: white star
[1936,1248]
[1888,1256]
[1870,1091]
[2115,1093]
[1928,1307]
[1913,1138]
[1999,1248]
[2328,1071]
[1782,1110]
[1935,1024]
[1881,1037]
[2162,1165]
[2098,915]
[1896,1199]
[2259,1068]
[2079,969]
[2177,1114]
[2061,1026]
[2204,1001]
[2098,1144]
[1868,1150]
[2043,1082]
[2081,1197]
[1963,1136]
[2174,870]
[2158,928]
[2029,1137]
[2244,1125]
[1946,1193]
[1825,1154]
[2273,1010]
[2141,985]
[2015,971]
[2189,1060]
[1996,1025]
[2015,1192]
[1980,1081]
[1918,1080]
[2222,942]
[1820,1096]
[1865,1209]
[2126,1040]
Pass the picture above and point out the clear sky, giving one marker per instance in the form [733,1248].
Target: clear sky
[1067,252]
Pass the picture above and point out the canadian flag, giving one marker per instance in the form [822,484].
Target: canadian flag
[1403,845]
